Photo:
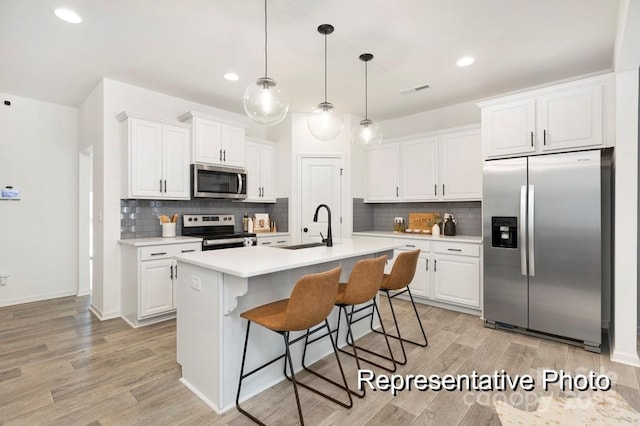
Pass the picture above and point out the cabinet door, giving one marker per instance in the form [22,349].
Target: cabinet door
[419,165]
[571,119]
[273,241]
[421,283]
[268,173]
[456,279]
[508,129]
[156,287]
[383,174]
[254,184]
[207,138]
[176,183]
[145,166]
[233,146]
[461,166]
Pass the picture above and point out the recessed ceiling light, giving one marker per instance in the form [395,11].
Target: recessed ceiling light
[465,61]
[68,15]
[231,76]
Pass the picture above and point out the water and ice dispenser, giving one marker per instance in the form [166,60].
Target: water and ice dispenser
[504,231]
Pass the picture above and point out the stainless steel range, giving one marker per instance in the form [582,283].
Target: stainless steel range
[216,230]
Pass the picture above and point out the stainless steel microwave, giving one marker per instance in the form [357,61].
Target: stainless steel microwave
[218,182]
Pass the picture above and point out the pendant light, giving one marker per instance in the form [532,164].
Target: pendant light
[322,122]
[367,135]
[263,100]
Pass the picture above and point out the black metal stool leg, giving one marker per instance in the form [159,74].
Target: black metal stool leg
[293,375]
[242,376]
[354,346]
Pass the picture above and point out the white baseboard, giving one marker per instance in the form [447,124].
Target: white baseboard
[37,298]
[625,358]
[103,316]
[84,292]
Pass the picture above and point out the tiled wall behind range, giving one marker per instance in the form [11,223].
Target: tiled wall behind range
[139,218]
[379,216]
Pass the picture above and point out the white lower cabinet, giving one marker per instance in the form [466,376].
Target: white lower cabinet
[456,279]
[149,277]
[448,274]
[273,240]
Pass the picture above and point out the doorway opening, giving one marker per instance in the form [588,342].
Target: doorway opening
[85,222]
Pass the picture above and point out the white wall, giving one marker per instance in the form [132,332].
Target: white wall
[108,169]
[38,243]
[441,118]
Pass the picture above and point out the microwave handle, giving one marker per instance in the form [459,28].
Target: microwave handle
[239,183]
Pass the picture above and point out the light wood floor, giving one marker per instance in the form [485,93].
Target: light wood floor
[59,365]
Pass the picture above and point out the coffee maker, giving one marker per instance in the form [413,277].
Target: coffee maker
[449,225]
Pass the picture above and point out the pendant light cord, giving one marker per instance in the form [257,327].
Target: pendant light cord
[366,90]
[265,38]
[325,68]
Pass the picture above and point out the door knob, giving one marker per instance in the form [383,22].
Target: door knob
[305,229]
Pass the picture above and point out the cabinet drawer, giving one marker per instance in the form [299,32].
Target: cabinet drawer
[457,248]
[273,241]
[166,251]
[407,244]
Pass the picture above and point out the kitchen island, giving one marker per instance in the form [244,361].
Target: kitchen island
[215,287]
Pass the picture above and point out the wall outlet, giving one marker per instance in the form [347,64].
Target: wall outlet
[196,283]
[4,279]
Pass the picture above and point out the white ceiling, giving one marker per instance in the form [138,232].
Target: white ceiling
[183,48]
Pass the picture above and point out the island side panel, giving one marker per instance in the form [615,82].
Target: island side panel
[199,331]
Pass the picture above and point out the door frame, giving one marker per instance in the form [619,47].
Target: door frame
[345,196]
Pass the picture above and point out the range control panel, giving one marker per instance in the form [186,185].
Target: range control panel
[208,220]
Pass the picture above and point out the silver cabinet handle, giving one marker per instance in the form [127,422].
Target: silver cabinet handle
[409,245]
[427,264]
[266,243]
[220,159]
[188,251]
[523,230]
[165,186]
[159,254]
[397,193]
[531,223]
[435,265]
[531,138]
[161,185]
[282,242]
[544,137]
[443,193]
[450,249]
[435,189]
[171,273]
[176,272]
[224,155]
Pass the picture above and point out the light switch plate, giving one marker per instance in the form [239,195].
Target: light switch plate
[196,283]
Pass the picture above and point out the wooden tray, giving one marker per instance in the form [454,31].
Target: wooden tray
[422,221]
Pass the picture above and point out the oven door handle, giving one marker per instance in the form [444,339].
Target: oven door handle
[239,183]
[213,243]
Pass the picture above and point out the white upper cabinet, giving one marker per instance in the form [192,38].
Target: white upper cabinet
[383,173]
[420,169]
[439,166]
[214,141]
[572,116]
[157,155]
[461,165]
[261,171]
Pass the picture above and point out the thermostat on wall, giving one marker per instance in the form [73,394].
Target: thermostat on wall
[9,193]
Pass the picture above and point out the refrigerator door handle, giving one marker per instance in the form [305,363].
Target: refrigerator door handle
[530,226]
[523,229]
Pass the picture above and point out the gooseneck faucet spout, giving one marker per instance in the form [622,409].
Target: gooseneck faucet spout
[329,239]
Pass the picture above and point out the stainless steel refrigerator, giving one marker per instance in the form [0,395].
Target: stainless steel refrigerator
[546,228]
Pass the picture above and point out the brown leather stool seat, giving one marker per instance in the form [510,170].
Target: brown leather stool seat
[310,303]
[402,273]
[362,287]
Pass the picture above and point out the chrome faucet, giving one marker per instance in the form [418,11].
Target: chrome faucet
[329,239]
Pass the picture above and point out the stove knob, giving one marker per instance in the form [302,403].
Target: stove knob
[195,219]
[190,219]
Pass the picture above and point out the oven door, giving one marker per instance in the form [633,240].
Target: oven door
[218,182]
[222,243]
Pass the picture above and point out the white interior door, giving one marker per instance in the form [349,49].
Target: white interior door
[321,183]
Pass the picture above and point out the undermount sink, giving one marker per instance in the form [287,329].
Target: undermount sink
[301,246]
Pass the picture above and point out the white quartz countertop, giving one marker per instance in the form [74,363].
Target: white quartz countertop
[157,241]
[427,237]
[247,262]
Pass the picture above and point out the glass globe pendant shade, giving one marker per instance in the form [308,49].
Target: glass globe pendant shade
[323,123]
[366,136]
[265,103]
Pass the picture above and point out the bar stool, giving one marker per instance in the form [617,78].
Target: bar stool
[402,273]
[363,285]
[310,304]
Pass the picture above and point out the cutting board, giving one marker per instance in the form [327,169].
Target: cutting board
[422,221]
